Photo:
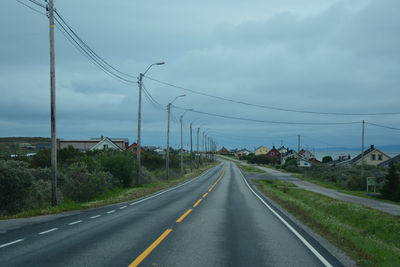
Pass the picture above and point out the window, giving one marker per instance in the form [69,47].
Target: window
[373,157]
[105,146]
[380,157]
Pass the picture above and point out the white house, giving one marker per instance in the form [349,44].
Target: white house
[303,163]
[104,144]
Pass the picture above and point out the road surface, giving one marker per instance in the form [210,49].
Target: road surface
[215,219]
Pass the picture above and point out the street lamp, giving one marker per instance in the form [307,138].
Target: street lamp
[181,120]
[191,145]
[138,178]
[169,113]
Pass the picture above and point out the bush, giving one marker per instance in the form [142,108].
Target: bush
[82,185]
[15,184]
[69,155]
[327,159]
[42,159]
[122,166]
[391,188]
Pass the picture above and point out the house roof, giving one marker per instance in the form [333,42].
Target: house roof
[106,140]
[394,160]
[366,152]
[261,147]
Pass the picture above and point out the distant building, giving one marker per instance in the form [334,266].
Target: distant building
[372,156]
[261,150]
[305,154]
[273,153]
[283,150]
[242,152]
[106,144]
[224,150]
[85,145]
[133,148]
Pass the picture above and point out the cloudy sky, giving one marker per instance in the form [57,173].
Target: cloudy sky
[330,56]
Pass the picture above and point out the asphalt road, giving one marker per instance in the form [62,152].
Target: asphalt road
[215,219]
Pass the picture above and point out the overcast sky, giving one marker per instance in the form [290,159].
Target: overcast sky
[325,56]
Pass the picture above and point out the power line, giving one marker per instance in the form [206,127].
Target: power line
[264,121]
[269,107]
[383,126]
[34,9]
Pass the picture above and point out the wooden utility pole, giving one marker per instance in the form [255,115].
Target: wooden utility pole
[197,154]
[167,156]
[53,108]
[362,151]
[298,147]
[191,149]
[181,120]
[138,149]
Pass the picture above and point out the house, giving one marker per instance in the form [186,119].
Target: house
[261,150]
[242,152]
[341,160]
[372,156]
[133,148]
[273,153]
[386,163]
[304,163]
[305,154]
[159,151]
[283,150]
[224,151]
[85,145]
[291,154]
[105,144]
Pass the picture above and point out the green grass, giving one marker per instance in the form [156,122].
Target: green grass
[370,237]
[116,195]
[334,186]
[249,168]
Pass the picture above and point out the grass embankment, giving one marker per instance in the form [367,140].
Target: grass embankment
[116,195]
[334,186]
[249,168]
[370,237]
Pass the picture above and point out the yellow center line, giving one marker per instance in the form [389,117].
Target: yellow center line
[197,203]
[183,216]
[205,195]
[145,253]
[209,190]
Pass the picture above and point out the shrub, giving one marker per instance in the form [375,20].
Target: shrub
[69,155]
[82,185]
[327,159]
[122,165]
[391,187]
[15,184]
[42,159]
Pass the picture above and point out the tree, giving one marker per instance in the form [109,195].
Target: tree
[391,188]
[327,159]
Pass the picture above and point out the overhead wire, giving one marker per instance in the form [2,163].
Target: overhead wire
[32,8]
[383,126]
[265,121]
[268,107]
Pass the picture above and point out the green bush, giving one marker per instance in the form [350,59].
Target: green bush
[69,155]
[122,166]
[15,185]
[42,159]
[81,185]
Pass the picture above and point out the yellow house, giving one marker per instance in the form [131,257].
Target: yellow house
[372,156]
[262,150]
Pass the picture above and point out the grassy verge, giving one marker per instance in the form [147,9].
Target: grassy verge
[116,195]
[249,168]
[332,185]
[370,237]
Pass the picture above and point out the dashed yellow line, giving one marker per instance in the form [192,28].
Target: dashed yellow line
[145,253]
[197,203]
[205,195]
[184,215]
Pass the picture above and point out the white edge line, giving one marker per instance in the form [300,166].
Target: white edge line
[302,239]
[94,217]
[11,243]
[111,211]
[72,223]
[48,231]
[173,188]
[122,208]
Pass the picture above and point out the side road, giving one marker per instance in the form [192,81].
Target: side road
[392,209]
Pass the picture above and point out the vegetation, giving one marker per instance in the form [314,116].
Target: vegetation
[327,159]
[249,168]
[260,159]
[391,187]
[369,236]
[82,177]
